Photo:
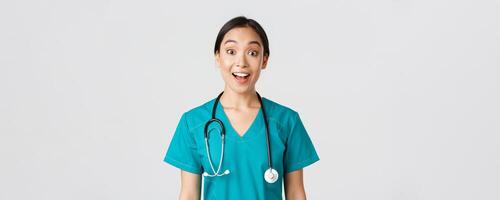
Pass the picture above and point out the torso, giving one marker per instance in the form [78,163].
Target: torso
[245,156]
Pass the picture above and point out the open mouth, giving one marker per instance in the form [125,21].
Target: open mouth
[241,76]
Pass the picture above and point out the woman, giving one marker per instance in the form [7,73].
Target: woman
[264,143]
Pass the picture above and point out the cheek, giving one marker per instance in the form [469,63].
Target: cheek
[226,61]
[256,75]
[226,77]
[255,61]
[226,65]
[225,69]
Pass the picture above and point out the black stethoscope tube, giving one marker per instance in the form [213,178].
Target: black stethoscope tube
[271,175]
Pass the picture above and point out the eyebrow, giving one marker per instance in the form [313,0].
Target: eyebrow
[251,42]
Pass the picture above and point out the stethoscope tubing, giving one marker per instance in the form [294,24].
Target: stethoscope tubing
[269,158]
[270,170]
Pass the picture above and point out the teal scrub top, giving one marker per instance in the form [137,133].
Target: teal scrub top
[244,156]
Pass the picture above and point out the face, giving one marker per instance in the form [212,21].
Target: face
[240,59]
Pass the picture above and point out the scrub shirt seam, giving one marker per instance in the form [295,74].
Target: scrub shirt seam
[308,158]
[192,146]
[299,165]
[189,131]
[184,165]
[294,124]
[280,128]
[277,122]
[195,127]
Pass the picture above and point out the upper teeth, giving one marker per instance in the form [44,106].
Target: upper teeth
[240,74]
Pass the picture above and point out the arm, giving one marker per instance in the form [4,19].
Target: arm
[294,186]
[190,186]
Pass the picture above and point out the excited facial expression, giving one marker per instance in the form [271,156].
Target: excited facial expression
[240,59]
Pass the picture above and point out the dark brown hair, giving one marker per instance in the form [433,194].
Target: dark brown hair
[242,21]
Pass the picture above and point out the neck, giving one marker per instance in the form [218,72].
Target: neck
[239,101]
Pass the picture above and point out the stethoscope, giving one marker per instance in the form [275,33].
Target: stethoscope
[270,175]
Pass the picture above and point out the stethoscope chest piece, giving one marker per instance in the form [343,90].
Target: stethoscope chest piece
[271,175]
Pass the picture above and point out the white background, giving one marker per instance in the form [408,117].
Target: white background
[401,98]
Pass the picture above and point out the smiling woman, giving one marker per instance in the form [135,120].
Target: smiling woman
[258,144]
[241,50]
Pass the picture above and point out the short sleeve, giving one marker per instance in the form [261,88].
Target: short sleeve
[182,150]
[300,151]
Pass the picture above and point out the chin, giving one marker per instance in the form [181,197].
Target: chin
[241,90]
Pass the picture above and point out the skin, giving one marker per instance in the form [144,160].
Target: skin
[241,50]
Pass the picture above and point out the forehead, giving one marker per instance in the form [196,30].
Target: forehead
[242,35]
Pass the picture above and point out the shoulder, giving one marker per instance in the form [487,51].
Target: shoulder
[198,115]
[280,113]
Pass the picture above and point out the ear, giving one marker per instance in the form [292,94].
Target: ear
[264,62]
[217,59]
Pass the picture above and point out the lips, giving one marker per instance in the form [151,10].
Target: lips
[241,77]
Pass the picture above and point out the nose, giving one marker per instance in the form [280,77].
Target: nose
[242,61]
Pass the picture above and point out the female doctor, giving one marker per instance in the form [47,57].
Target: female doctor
[243,145]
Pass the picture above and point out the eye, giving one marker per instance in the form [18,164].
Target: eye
[230,51]
[253,53]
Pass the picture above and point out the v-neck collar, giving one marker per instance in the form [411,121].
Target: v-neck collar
[253,130]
